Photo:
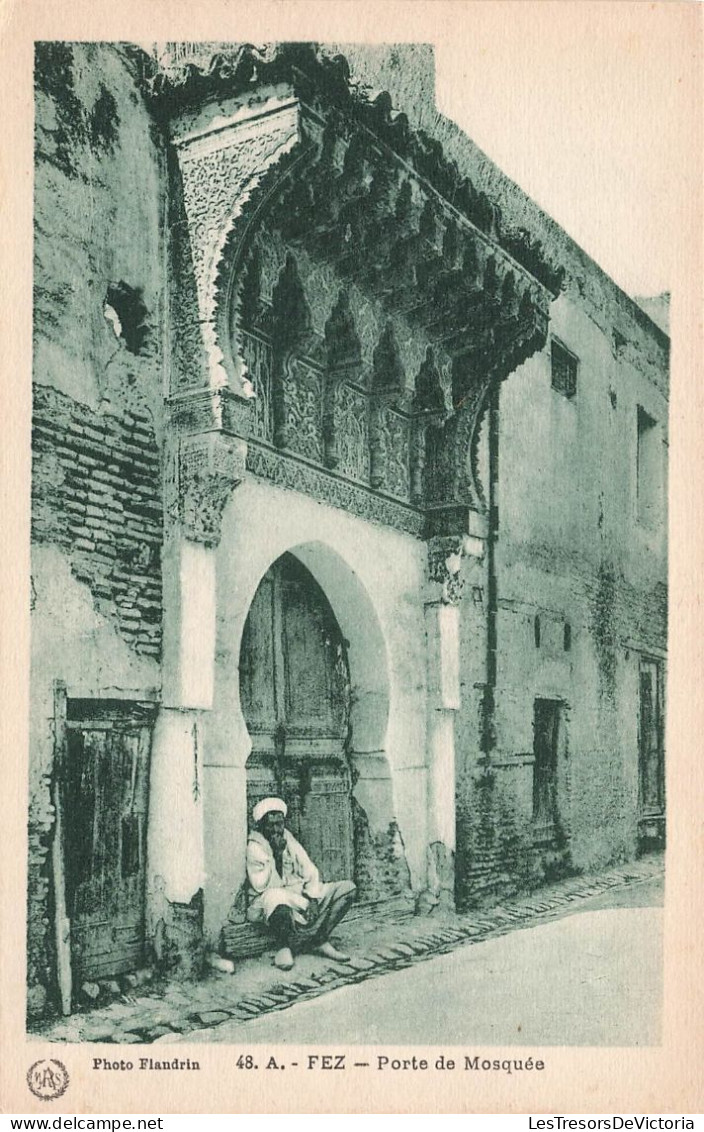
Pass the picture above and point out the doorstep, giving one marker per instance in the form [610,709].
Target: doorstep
[376,944]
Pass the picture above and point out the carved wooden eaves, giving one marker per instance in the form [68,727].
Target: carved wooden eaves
[332,190]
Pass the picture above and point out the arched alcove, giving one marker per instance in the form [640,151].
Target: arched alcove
[332,767]
[316,761]
[295,697]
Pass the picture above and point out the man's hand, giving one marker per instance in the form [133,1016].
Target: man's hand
[312,909]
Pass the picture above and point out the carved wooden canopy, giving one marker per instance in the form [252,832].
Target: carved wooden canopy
[343,300]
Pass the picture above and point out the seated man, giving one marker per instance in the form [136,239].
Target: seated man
[285,890]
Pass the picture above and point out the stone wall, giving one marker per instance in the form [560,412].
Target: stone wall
[97,423]
[570,551]
[572,556]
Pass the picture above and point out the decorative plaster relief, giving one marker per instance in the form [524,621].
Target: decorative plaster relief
[351,416]
[203,473]
[295,475]
[219,171]
[445,558]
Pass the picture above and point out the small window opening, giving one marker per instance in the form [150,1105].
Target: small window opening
[563,366]
[536,630]
[126,313]
[649,470]
[619,341]
[567,636]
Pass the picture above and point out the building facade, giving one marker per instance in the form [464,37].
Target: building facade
[349,484]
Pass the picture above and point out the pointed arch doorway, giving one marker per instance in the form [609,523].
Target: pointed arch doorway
[295,696]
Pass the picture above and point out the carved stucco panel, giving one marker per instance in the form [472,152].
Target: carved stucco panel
[395,430]
[213,181]
[272,256]
[201,474]
[296,476]
[352,432]
[219,173]
[303,394]
[258,358]
[322,286]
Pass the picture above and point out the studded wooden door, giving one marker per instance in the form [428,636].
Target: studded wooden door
[104,787]
[294,684]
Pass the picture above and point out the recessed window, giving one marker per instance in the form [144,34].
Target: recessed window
[126,314]
[536,630]
[563,368]
[567,636]
[619,341]
[649,470]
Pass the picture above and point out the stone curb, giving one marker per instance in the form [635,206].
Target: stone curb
[396,956]
[381,959]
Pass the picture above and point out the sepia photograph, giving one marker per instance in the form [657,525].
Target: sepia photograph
[349,569]
[349,575]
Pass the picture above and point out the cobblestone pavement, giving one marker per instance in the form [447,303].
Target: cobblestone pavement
[377,946]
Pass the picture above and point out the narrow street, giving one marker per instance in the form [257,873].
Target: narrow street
[592,977]
[578,961]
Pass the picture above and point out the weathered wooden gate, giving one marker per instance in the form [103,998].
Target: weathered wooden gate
[651,770]
[546,735]
[295,691]
[104,788]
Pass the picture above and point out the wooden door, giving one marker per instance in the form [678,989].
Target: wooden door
[651,778]
[105,789]
[546,732]
[294,683]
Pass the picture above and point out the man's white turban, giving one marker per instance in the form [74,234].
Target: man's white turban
[269,806]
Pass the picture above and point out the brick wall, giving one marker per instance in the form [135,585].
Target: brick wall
[97,492]
[99,287]
[571,550]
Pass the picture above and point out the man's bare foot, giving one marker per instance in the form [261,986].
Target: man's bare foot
[284,959]
[331,952]
[219,963]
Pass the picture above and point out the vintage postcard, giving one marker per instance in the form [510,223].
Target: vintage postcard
[353,750]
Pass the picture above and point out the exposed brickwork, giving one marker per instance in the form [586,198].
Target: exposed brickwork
[97,492]
[623,614]
[616,623]
[494,854]
[570,549]
[97,431]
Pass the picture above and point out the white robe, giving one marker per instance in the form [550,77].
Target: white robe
[299,883]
